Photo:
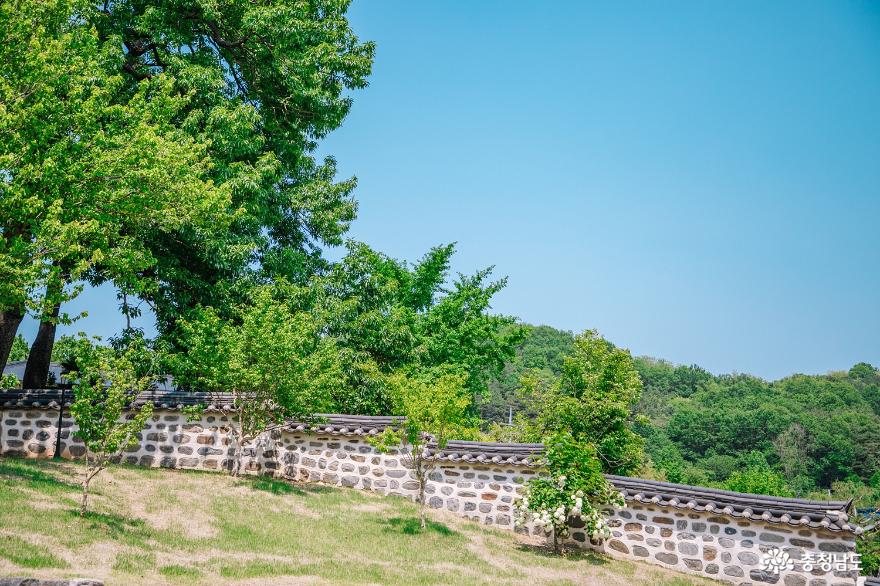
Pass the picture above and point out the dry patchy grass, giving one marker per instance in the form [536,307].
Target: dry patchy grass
[176,527]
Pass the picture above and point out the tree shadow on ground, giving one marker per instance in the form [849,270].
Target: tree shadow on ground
[34,477]
[115,527]
[285,487]
[574,555]
[410,526]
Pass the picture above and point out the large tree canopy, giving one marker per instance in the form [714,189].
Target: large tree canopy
[167,148]
[87,176]
[267,81]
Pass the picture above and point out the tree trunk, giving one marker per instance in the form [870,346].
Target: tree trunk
[36,373]
[423,481]
[421,504]
[239,454]
[84,502]
[9,322]
[236,464]
[555,542]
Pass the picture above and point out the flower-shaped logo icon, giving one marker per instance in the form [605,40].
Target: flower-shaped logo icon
[774,559]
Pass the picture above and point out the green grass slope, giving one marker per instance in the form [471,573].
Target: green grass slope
[176,527]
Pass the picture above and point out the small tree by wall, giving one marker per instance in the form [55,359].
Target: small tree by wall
[434,405]
[593,400]
[105,385]
[268,364]
[573,487]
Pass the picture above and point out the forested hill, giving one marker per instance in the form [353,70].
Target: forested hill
[800,435]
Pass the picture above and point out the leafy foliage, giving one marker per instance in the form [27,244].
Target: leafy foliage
[9,381]
[64,351]
[868,547]
[272,361]
[268,81]
[758,478]
[94,167]
[573,488]
[593,400]
[539,355]
[387,315]
[814,430]
[19,349]
[178,162]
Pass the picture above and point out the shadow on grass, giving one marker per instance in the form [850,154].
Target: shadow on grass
[115,527]
[28,555]
[21,470]
[285,487]
[574,555]
[410,526]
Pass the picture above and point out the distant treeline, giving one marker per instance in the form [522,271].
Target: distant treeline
[799,436]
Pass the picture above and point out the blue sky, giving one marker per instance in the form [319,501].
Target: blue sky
[699,181]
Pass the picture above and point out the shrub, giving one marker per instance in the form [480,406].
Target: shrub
[573,488]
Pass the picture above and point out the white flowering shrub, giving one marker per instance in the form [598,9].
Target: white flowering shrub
[572,488]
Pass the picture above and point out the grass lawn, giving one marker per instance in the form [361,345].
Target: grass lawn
[152,526]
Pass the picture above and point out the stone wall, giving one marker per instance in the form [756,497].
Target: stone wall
[481,493]
[720,547]
[709,544]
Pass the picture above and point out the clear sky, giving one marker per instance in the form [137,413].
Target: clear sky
[700,181]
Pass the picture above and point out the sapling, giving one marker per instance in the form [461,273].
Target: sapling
[434,408]
[105,385]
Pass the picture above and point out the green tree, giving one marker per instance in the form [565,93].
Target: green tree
[663,381]
[866,378]
[757,478]
[269,364]
[19,349]
[868,547]
[434,407]
[88,175]
[105,385]
[64,351]
[792,447]
[593,400]
[182,152]
[539,354]
[268,81]
[817,430]
[389,315]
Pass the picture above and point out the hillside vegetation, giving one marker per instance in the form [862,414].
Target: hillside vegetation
[174,527]
[799,436]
